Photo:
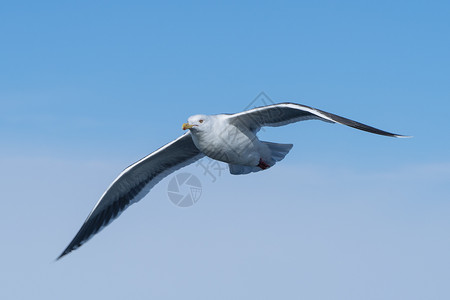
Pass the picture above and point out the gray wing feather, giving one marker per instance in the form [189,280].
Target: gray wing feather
[287,113]
[133,184]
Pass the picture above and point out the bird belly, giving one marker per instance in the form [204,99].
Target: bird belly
[232,146]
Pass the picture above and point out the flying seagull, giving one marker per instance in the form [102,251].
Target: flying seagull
[230,138]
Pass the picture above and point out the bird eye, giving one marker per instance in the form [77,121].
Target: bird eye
[201,121]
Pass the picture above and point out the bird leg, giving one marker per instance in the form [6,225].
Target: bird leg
[262,164]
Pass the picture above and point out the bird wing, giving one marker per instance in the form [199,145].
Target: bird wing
[133,184]
[286,113]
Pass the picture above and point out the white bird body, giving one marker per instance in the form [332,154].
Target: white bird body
[234,145]
[230,138]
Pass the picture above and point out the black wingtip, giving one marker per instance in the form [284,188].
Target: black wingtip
[360,126]
[65,252]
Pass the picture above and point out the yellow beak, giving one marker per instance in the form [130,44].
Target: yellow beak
[186,126]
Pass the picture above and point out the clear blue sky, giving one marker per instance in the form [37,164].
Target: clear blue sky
[87,88]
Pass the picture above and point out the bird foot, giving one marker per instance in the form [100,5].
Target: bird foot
[262,164]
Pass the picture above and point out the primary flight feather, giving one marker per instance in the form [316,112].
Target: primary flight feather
[230,138]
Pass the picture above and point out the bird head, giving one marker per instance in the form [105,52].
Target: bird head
[197,123]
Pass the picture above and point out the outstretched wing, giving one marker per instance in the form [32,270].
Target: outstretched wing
[286,113]
[134,183]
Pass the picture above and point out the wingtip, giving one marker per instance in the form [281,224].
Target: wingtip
[403,136]
[60,256]
[64,253]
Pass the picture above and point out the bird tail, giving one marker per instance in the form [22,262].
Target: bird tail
[241,169]
[278,152]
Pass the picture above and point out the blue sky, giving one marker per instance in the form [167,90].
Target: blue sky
[87,88]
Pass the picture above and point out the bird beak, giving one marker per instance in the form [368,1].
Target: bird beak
[186,126]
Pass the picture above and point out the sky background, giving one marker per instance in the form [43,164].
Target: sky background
[89,87]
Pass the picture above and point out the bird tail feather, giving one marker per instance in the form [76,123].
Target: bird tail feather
[278,152]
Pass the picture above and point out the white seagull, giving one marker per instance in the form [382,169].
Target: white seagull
[230,138]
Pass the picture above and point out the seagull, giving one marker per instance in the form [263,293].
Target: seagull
[230,138]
